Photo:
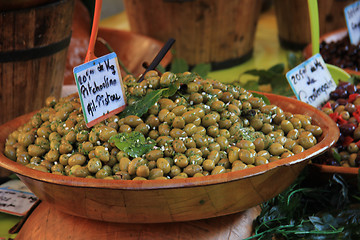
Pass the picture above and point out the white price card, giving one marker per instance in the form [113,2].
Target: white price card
[352,16]
[100,88]
[16,202]
[311,81]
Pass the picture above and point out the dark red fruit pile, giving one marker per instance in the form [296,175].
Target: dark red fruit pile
[344,108]
[341,53]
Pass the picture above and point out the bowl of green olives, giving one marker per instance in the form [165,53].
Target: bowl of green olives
[211,149]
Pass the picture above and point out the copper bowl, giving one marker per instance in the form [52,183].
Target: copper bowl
[154,201]
[330,37]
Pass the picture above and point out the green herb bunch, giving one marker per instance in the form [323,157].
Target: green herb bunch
[308,211]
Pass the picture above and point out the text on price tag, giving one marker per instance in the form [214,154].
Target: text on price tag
[311,81]
[352,16]
[16,202]
[100,88]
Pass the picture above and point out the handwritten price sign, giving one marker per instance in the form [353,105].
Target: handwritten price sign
[16,202]
[352,16]
[100,88]
[311,81]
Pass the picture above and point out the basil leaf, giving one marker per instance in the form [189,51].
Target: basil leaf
[160,68]
[134,143]
[278,68]
[142,106]
[202,69]
[263,97]
[179,65]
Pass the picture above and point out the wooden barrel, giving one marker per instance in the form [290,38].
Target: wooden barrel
[293,20]
[206,31]
[33,47]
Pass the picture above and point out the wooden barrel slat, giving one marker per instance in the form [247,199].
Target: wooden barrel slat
[293,20]
[209,31]
[34,37]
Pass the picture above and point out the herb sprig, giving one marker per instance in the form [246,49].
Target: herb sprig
[134,144]
[142,105]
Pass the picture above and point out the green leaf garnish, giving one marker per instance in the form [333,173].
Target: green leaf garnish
[142,106]
[160,68]
[202,69]
[179,65]
[274,76]
[263,97]
[134,143]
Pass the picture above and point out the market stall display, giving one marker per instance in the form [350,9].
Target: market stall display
[175,199]
[217,202]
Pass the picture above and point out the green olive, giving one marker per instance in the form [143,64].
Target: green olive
[65,147]
[307,141]
[178,122]
[247,156]
[76,159]
[163,164]
[106,132]
[79,171]
[124,163]
[57,168]
[181,160]
[213,131]
[238,166]
[218,170]
[209,120]
[142,171]
[192,169]
[167,78]
[179,110]
[174,171]
[200,140]
[153,155]
[176,133]
[245,144]
[52,155]
[190,129]
[36,151]
[94,165]
[260,160]
[134,164]
[155,173]
[102,153]
[10,152]
[214,156]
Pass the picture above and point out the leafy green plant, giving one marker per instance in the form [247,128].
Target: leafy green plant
[180,65]
[305,211]
[274,77]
